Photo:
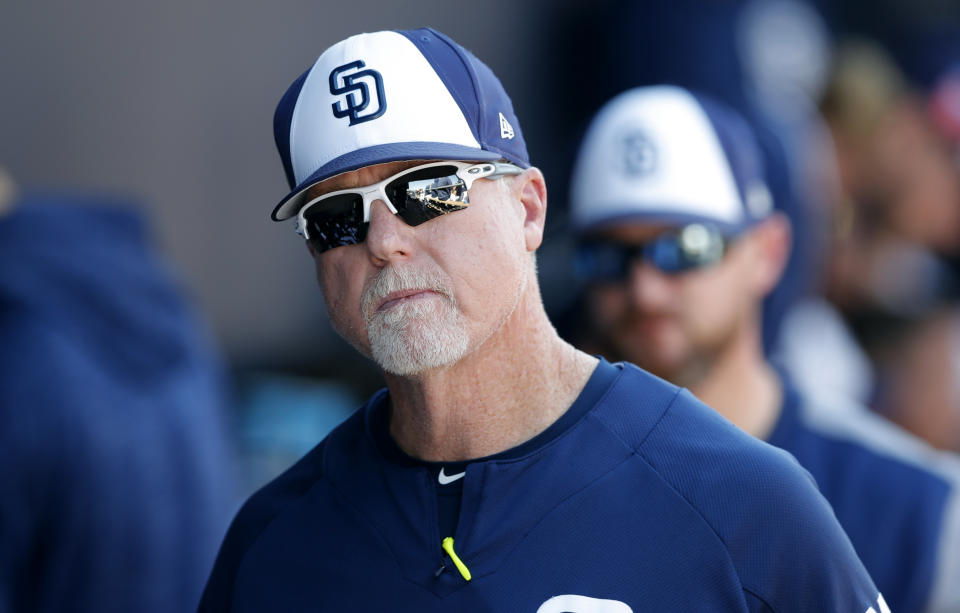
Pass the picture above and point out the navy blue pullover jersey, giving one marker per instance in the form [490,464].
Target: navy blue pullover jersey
[896,498]
[640,498]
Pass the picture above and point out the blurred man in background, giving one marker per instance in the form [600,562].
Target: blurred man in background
[116,483]
[680,245]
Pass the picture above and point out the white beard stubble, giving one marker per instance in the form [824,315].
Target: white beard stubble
[417,335]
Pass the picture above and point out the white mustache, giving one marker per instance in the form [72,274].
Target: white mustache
[391,280]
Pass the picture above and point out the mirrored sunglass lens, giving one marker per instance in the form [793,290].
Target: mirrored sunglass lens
[336,221]
[604,262]
[695,246]
[665,254]
[425,194]
[691,248]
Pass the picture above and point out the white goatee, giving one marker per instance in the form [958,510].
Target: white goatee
[418,335]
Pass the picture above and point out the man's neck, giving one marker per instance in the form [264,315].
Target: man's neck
[743,387]
[511,388]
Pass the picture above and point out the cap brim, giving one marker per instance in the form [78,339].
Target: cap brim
[393,152]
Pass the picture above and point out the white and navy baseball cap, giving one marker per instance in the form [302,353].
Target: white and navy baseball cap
[388,96]
[662,154]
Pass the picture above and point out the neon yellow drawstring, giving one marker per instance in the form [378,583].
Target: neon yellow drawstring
[448,547]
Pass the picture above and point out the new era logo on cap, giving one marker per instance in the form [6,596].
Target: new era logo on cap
[663,153]
[506,130]
[389,96]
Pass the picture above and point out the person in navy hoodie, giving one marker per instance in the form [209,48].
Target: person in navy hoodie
[679,244]
[501,469]
[116,480]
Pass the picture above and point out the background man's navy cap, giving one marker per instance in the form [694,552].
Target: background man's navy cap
[388,96]
[663,154]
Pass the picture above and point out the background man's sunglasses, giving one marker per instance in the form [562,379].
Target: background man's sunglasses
[416,195]
[691,247]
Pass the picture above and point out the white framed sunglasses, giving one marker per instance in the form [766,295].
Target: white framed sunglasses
[416,195]
[690,247]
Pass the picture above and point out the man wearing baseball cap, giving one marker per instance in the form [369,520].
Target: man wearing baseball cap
[501,469]
[679,245]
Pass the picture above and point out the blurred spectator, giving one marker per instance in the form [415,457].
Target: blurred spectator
[895,236]
[115,478]
[898,172]
[679,252]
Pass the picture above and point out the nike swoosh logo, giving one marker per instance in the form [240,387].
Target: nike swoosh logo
[444,479]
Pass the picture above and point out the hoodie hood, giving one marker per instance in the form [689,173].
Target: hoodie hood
[85,267]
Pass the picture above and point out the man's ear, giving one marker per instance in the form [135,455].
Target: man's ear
[531,189]
[774,239]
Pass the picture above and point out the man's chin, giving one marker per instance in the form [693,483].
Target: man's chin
[408,370]
[418,362]
[417,347]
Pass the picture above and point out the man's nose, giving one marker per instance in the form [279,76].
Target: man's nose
[389,238]
[647,286]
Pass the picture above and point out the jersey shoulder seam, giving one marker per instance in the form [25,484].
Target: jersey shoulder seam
[760,598]
[639,453]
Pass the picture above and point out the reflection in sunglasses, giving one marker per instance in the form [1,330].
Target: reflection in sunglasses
[416,195]
[693,246]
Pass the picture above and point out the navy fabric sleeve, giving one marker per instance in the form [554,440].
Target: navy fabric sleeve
[756,604]
[782,536]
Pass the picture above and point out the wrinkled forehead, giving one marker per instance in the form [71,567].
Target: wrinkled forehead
[362,177]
